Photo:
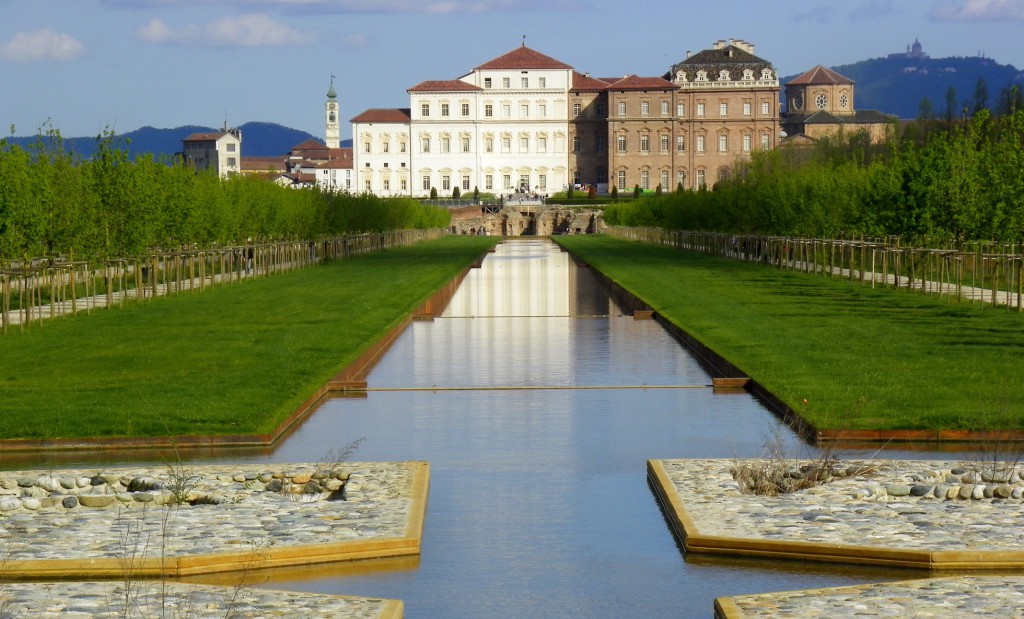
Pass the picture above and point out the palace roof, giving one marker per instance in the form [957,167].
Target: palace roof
[635,82]
[523,58]
[384,115]
[444,86]
[819,75]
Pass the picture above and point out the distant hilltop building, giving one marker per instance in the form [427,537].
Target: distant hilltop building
[220,151]
[526,122]
[914,50]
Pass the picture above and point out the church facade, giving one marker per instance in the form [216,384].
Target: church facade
[528,123]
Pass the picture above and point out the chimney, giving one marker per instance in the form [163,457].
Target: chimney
[719,44]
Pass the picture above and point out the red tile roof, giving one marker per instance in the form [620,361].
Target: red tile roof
[344,152]
[523,58]
[205,137]
[378,115]
[310,144]
[336,164]
[585,82]
[444,86]
[634,82]
[819,75]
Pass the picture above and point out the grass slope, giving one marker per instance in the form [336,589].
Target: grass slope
[236,359]
[862,358]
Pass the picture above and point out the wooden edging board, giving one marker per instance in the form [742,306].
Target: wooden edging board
[692,540]
[277,556]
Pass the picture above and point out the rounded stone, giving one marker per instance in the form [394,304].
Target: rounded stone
[953,492]
[921,490]
[50,484]
[9,484]
[264,478]
[1002,491]
[144,497]
[979,492]
[70,502]
[83,482]
[50,501]
[941,491]
[966,491]
[124,497]
[897,489]
[67,483]
[96,500]
[9,503]
[301,478]
[31,503]
[1017,492]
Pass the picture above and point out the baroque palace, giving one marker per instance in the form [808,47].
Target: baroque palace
[525,122]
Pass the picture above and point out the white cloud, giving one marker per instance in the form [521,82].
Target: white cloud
[980,10]
[41,45]
[252,30]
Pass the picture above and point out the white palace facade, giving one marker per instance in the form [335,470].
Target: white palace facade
[527,122]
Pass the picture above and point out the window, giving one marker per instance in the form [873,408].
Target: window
[489,145]
[524,82]
[622,108]
[681,178]
[576,109]
[506,110]
[506,82]
[664,180]
[506,180]
[405,184]
[542,181]
[645,180]
[600,109]
[701,183]
[723,109]
[446,144]
[425,186]
[489,110]
[844,101]
[424,109]
[600,143]
[645,143]
[542,110]
[645,108]
[746,142]
[542,145]
[577,144]
[765,141]
[444,110]
[723,143]
[385,147]
[488,182]
[664,143]
[621,142]
[681,143]
[700,109]
[487,82]
[524,181]
[465,109]
[766,108]
[446,182]
[524,145]
[700,143]
[366,186]
[465,145]
[232,162]
[680,109]
[231,145]
[746,108]
[366,146]
[524,110]
[664,108]
[543,82]
[401,146]
[387,184]
[425,145]
[621,178]
[506,145]
[465,182]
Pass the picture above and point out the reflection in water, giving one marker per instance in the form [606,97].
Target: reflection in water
[539,504]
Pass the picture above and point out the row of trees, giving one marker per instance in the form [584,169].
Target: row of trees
[55,204]
[932,180]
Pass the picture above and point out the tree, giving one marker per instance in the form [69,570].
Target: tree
[615,192]
[456,194]
[433,193]
[636,191]
[476,194]
[979,101]
[657,190]
[951,106]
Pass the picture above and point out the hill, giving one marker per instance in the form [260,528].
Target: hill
[259,139]
[897,84]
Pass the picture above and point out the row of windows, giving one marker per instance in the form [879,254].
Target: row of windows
[505,108]
[524,182]
[645,179]
[645,109]
[464,145]
[700,143]
[524,82]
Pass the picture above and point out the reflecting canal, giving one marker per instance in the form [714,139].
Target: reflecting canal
[537,403]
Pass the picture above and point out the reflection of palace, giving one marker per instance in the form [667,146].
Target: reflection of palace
[525,121]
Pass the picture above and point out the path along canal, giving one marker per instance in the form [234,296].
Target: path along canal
[537,403]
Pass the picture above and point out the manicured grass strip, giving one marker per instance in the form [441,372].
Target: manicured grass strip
[234,359]
[862,358]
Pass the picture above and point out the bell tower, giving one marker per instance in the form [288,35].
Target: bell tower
[332,127]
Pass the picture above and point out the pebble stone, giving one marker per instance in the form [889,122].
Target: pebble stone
[892,504]
[81,600]
[92,514]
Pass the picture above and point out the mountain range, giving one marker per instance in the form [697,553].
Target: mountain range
[895,84]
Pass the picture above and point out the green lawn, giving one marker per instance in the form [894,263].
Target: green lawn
[234,359]
[862,358]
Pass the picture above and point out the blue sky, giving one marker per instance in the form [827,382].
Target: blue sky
[88,66]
